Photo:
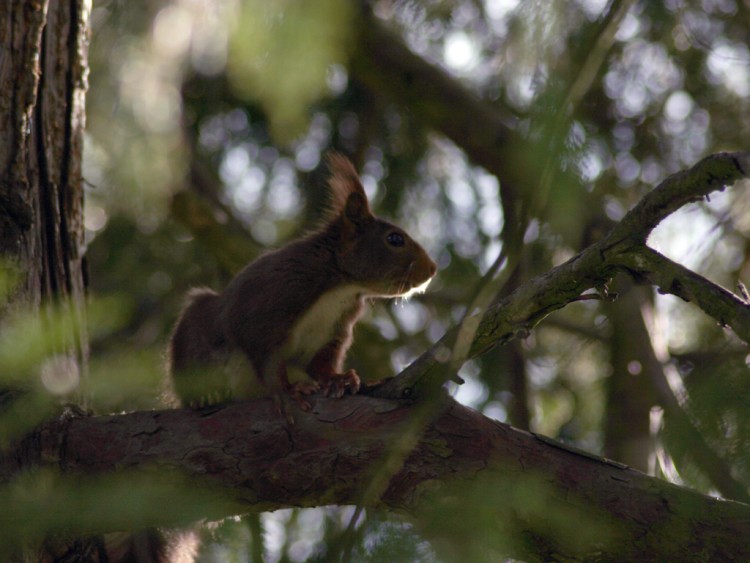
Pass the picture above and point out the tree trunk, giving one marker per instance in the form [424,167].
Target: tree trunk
[43,74]
[43,77]
[486,488]
[43,80]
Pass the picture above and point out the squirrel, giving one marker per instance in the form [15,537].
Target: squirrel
[294,308]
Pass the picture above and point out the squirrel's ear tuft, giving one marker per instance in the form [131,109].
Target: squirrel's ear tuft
[347,194]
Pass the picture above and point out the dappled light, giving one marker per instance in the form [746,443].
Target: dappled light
[509,139]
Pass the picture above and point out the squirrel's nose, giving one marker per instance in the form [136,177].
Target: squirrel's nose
[428,267]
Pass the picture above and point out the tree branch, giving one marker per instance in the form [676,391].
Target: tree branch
[710,463]
[670,277]
[711,174]
[385,64]
[244,458]
[623,248]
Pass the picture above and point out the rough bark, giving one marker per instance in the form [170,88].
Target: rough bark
[541,500]
[43,80]
[43,77]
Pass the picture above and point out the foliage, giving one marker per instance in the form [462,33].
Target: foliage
[236,102]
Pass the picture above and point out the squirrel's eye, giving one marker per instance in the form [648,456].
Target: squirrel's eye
[395,239]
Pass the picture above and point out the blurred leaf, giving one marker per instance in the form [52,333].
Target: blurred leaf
[508,516]
[40,501]
[281,53]
[126,379]
[30,338]
[36,363]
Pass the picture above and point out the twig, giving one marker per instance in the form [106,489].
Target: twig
[605,38]
[577,89]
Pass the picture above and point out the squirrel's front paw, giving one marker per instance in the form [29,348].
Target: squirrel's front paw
[338,383]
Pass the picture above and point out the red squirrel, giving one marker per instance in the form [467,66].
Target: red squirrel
[296,307]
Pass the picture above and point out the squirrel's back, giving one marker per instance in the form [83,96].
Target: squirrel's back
[197,343]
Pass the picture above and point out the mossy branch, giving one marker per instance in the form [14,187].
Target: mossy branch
[622,249]
[669,277]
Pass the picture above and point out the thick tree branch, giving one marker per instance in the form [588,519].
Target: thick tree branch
[244,458]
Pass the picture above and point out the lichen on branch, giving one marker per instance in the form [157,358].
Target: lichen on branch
[622,249]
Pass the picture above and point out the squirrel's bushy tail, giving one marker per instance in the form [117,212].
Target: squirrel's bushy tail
[196,346]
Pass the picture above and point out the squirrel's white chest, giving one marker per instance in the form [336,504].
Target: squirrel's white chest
[320,323]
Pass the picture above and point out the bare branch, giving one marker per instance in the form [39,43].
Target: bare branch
[711,174]
[512,317]
[623,248]
[728,309]
[701,453]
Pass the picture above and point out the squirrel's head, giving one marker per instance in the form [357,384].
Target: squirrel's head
[371,251]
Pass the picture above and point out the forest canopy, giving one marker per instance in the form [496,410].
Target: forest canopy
[505,136]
